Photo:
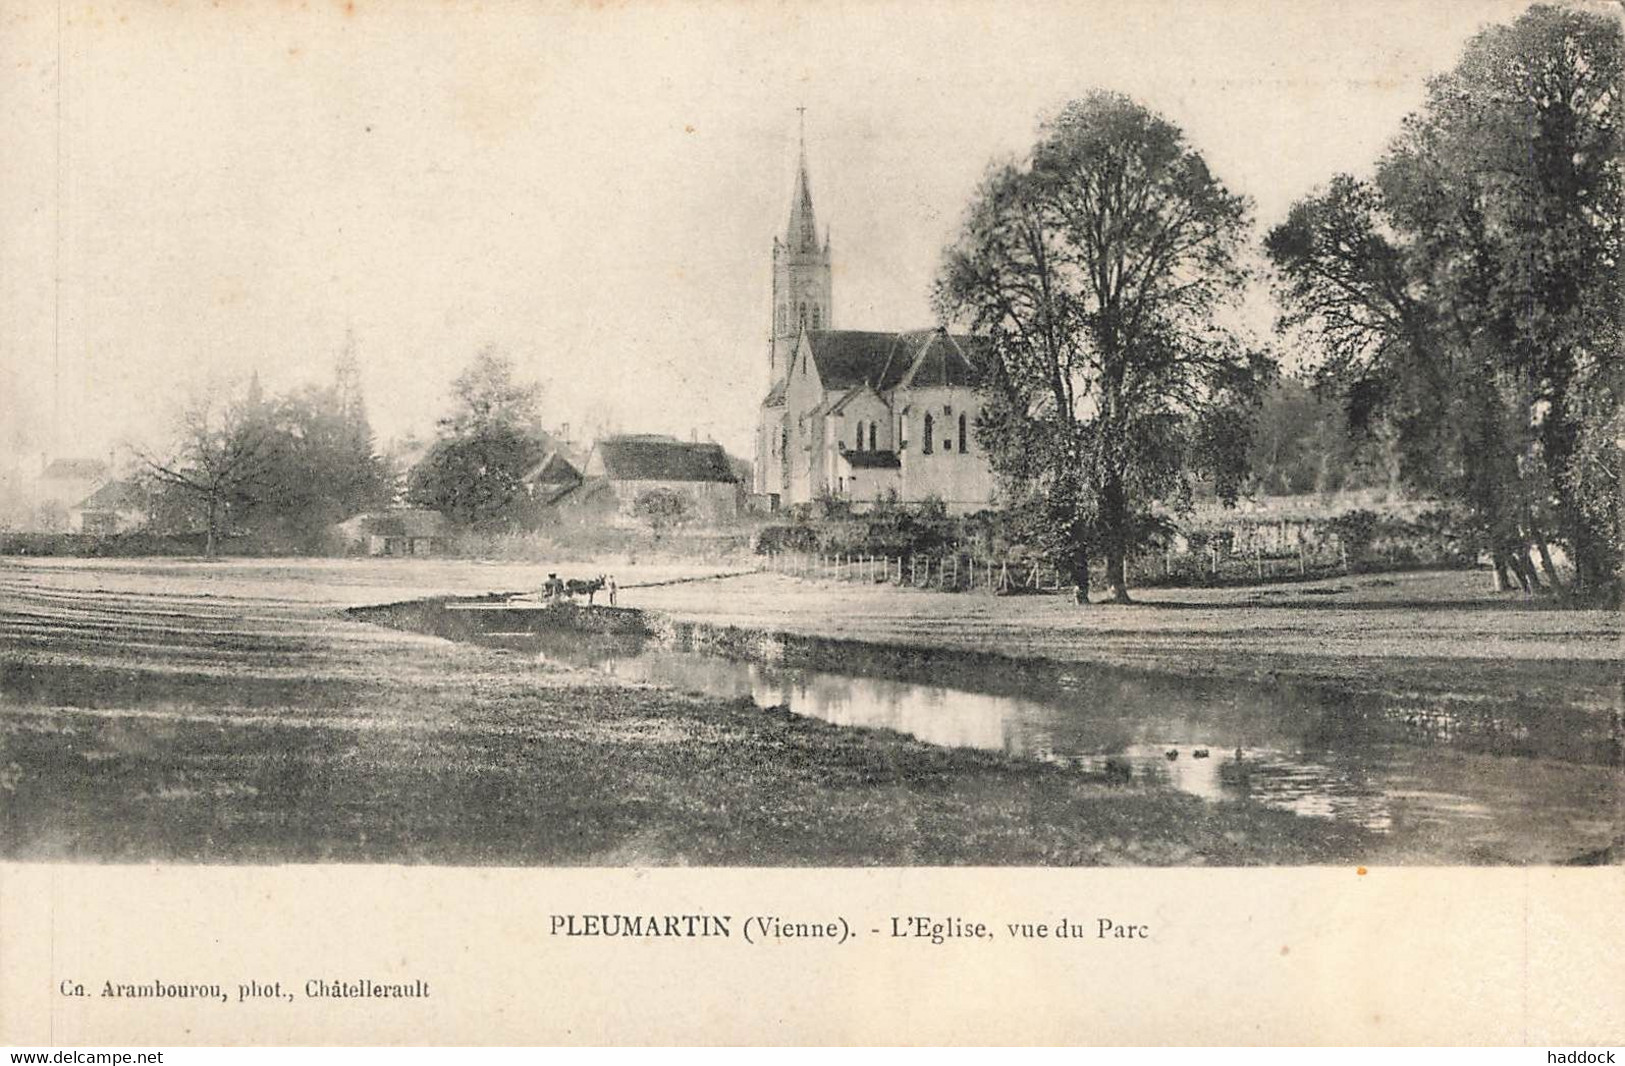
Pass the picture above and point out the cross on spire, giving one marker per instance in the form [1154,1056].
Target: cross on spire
[802,233]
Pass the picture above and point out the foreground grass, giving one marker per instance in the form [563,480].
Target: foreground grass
[153,712]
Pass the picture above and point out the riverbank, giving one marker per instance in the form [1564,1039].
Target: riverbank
[1439,639]
[196,713]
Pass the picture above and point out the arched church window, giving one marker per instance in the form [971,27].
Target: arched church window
[962,434]
[817,317]
[930,429]
[801,315]
[858,447]
[871,436]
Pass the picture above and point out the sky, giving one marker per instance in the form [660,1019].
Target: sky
[192,192]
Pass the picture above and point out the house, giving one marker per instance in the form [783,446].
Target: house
[627,468]
[552,478]
[861,415]
[116,507]
[71,479]
[398,531]
[44,497]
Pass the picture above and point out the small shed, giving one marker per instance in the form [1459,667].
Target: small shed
[400,531]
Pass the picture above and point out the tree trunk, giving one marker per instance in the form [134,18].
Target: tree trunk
[1114,513]
[1499,565]
[1080,575]
[1117,575]
[208,534]
[1526,570]
[1529,576]
[1546,562]
[1514,565]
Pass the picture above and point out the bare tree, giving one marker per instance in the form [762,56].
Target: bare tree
[220,451]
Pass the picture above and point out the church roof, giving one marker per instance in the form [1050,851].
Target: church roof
[655,459]
[847,359]
[943,359]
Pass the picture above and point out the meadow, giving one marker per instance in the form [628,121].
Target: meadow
[229,711]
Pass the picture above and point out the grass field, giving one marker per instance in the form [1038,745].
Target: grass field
[1436,636]
[229,712]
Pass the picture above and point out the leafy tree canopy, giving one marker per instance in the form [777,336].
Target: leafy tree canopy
[1099,270]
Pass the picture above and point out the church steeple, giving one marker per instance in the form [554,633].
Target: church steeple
[802,233]
[802,297]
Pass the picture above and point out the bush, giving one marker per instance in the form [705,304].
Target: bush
[1355,530]
[662,509]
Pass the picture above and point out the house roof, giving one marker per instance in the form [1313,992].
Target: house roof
[663,459]
[554,469]
[76,469]
[399,522]
[115,496]
[878,460]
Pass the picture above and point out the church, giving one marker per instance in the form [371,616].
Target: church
[860,415]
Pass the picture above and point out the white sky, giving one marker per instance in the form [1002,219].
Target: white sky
[593,188]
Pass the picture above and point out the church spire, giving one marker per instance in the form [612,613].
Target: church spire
[802,233]
[802,296]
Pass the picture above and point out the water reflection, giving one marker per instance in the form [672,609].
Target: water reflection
[1214,743]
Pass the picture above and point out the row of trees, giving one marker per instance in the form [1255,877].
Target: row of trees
[1467,297]
[1463,306]
[285,469]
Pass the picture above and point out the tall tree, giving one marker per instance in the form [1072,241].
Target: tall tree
[1469,296]
[490,392]
[320,468]
[1098,270]
[492,437]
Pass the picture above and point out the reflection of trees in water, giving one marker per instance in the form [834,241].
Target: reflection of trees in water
[931,713]
[1395,769]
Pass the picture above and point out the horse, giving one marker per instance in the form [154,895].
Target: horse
[576,587]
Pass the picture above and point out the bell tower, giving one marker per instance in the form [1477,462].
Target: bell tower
[801,275]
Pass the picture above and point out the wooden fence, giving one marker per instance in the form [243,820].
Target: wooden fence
[951,573]
[966,573]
